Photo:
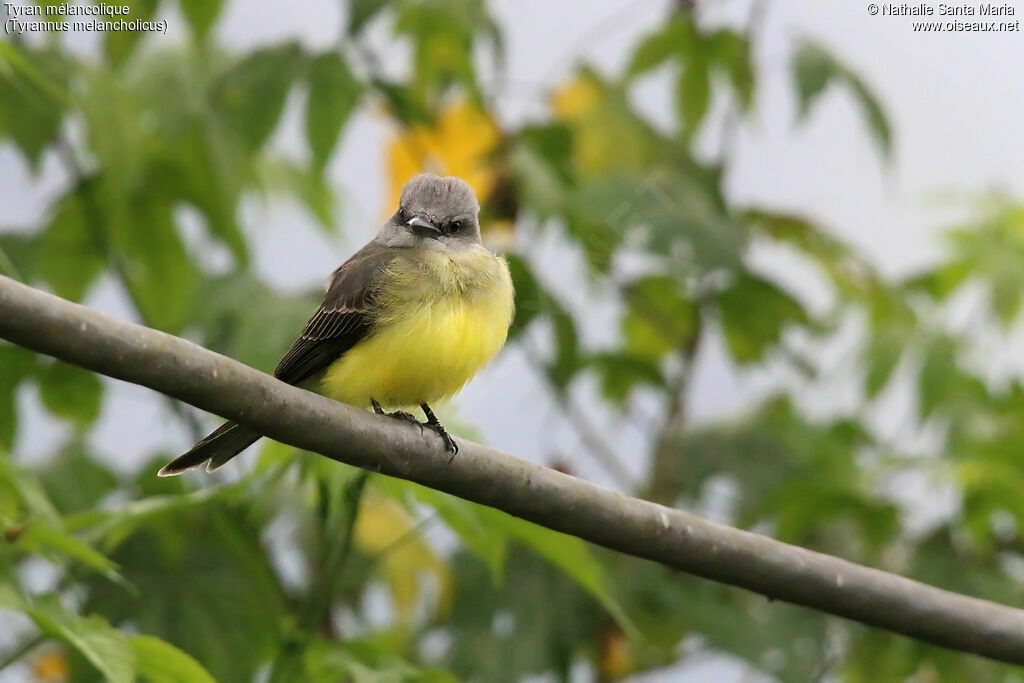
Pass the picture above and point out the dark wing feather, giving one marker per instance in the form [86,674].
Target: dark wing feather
[340,322]
[342,319]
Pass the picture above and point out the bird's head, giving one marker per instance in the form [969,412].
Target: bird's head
[434,212]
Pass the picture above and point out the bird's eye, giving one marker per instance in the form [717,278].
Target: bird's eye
[402,214]
[455,226]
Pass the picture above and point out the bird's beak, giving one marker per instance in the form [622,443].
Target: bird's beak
[421,226]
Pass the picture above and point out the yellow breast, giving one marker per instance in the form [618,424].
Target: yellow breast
[439,318]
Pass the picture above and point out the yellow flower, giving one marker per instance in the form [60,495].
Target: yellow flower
[384,530]
[576,99]
[460,143]
[616,657]
[50,665]
[605,135]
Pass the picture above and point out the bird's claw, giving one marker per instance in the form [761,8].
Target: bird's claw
[432,423]
[398,414]
[406,417]
[449,442]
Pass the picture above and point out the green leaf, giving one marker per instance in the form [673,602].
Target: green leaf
[105,647]
[621,373]
[370,659]
[23,494]
[333,94]
[403,102]
[532,300]
[253,93]
[875,655]
[8,420]
[443,36]
[16,364]
[209,171]
[537,621]
[571,555]
[466,519]
[673,210]
[567,359]
[109,527]
[730,51]
[676,38]
[231,326]
[877,121]
[486,531]
[201,15]
[121,140]
[693,95]
[310,187]
[659,319]
[235,611]
[754,314]
[940,379]
[161,662]
[881,357]
[696,53]
[551,145]
[43,530]
[850,273]
[161,278]
[120,44]
[529,295]
[361,12]
[17,255]
[654,50]
[68,256]
[10,597]
[75,480]
[41,537]
[32,97]
[943,280]
[70,392]
[1006,298]
[814,69]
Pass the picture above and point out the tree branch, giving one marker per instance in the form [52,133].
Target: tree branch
[178,368]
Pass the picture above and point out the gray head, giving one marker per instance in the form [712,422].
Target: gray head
[434,213]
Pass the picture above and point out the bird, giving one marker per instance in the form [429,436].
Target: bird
[406,321]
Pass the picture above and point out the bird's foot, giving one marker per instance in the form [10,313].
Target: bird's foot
[406,417]
[398,414]
[449,442]
[435,424]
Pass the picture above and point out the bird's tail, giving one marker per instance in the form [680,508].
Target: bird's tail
[221,445]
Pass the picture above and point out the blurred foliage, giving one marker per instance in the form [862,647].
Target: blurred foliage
[307,570]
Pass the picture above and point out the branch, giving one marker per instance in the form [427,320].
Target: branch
[181,369]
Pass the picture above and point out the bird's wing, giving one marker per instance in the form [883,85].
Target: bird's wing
[343,318]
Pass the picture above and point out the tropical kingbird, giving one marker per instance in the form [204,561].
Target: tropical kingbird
[406,321]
